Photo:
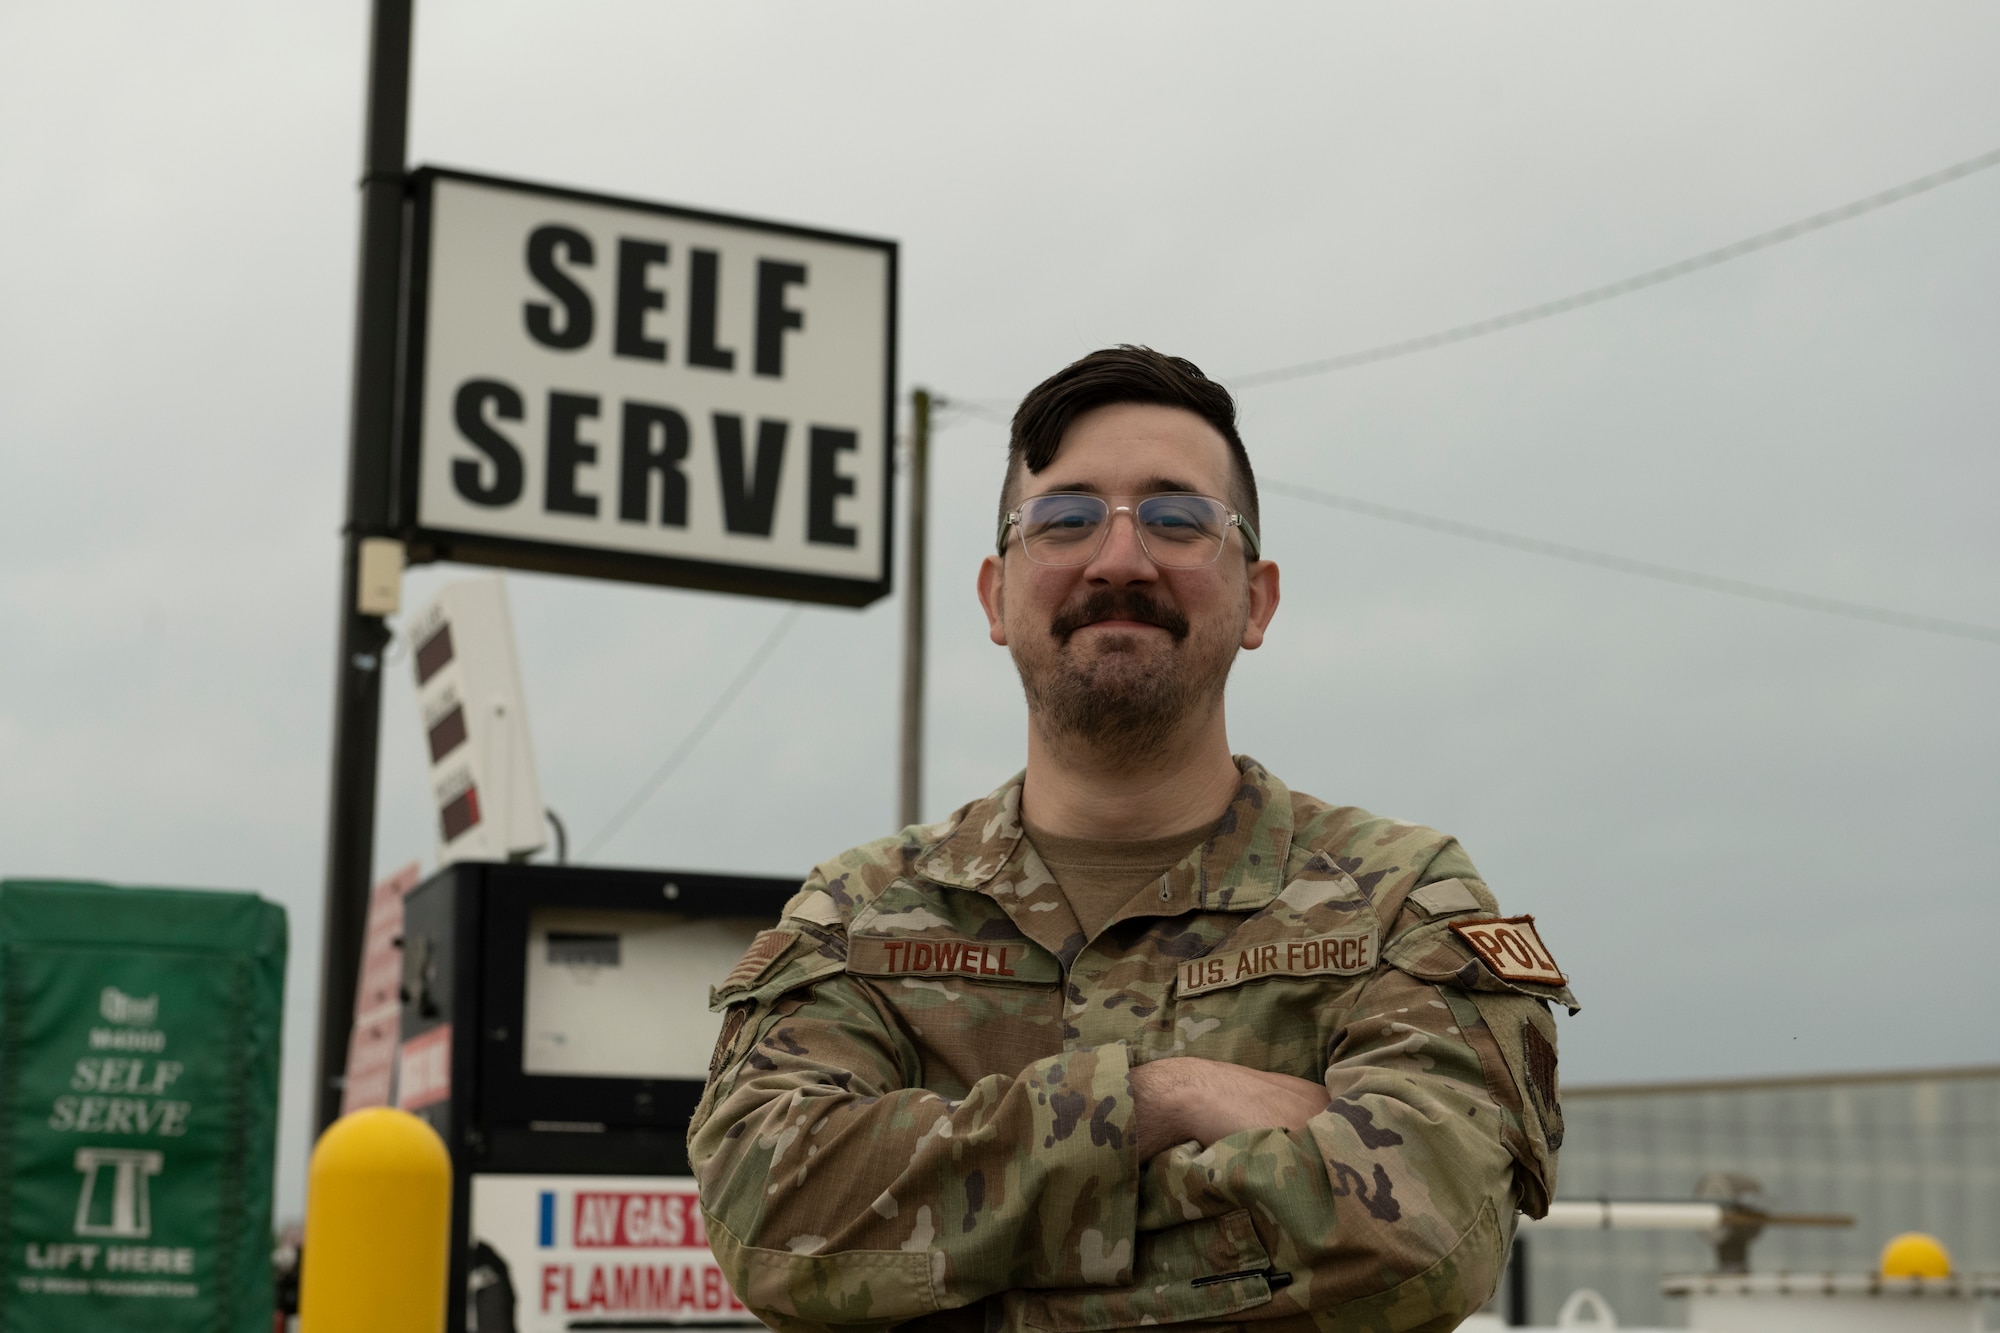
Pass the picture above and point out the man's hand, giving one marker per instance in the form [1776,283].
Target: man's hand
[1187,1097]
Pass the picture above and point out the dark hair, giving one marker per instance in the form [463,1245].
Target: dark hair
[1122,374]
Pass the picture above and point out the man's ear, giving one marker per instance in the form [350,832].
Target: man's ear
[991,576]
[1263,601]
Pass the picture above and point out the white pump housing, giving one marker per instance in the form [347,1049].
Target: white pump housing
[475,721]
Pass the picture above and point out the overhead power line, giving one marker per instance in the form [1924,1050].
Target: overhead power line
[695,735]
[1610,291]
[1562,305]
[1619,564]
[1803,601]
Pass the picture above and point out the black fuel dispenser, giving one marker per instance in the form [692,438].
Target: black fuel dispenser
[556,1034]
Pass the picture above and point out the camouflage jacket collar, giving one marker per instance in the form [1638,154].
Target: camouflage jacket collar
[1241,867]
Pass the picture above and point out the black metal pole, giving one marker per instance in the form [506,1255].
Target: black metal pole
[357,697]
[910,799]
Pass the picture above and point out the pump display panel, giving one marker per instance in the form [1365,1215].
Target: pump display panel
[600,986]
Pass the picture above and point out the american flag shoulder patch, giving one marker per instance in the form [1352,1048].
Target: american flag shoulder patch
[766,949]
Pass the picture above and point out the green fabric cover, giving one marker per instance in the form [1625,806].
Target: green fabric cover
[139,1033]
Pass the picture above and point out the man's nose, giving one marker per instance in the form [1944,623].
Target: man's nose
[1123,557]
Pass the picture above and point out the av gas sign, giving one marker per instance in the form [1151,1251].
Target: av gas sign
[626,390]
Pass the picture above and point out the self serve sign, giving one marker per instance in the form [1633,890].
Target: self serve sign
[627,390]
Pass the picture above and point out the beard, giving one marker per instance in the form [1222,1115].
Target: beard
[1127,698]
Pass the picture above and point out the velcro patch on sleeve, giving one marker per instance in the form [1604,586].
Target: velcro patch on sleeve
[1540,1054]
[764,950]
[725,1041]
[1445,897]
[1511,949]
[1343,954]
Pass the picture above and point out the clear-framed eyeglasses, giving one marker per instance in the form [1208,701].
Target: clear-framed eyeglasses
[1177,531]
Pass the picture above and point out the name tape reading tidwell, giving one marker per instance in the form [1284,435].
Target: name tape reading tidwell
[627,390]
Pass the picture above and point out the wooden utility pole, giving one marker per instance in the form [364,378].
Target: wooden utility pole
[909,810]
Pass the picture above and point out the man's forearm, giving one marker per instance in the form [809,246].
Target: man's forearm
[1187,1099]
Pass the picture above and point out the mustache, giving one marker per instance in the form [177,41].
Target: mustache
[1119,604]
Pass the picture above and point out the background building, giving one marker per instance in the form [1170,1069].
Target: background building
[1914,1151]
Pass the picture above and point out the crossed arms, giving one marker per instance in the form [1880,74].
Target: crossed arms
[1086,1190]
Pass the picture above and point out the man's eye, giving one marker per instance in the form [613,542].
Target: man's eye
[1180,520]
[1063,519]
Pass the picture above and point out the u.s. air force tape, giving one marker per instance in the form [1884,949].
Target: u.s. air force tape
[1343,954]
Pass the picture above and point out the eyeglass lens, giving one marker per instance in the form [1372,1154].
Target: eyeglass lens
[1068,529]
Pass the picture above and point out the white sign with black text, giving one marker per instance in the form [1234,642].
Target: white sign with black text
[626,390]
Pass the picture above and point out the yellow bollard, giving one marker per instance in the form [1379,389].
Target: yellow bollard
[1913,1254]
[378,1227]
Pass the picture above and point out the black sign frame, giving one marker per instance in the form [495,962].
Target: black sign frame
[426,544]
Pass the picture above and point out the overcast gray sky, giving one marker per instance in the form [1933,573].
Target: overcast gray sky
[1754,835]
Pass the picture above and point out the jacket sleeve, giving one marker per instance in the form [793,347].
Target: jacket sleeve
[840,1195]
[1393,1210]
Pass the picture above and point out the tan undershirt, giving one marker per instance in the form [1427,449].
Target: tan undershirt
[1100,877]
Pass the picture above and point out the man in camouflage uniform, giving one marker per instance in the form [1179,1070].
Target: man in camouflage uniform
[1143,1037]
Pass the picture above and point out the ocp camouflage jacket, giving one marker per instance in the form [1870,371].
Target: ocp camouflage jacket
[919,1108]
